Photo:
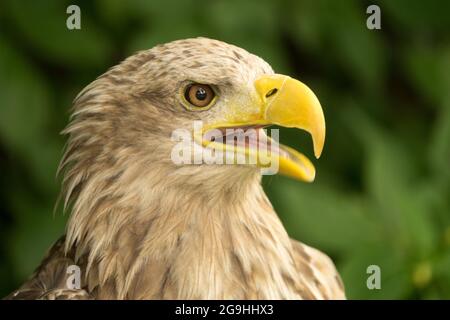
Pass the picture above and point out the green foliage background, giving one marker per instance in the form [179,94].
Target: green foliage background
[382,190]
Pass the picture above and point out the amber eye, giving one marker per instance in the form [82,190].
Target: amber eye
[199,95]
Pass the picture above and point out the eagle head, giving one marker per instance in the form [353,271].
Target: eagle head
[142,112]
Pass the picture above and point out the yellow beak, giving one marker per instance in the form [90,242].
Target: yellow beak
[289,103]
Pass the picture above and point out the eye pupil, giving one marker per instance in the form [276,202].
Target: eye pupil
[201,94]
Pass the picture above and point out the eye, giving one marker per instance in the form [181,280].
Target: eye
[199,95]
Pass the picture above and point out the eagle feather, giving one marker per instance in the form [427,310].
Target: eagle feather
[142,227]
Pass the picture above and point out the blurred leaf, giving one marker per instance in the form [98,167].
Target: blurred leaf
[439,148]
[442,275]
[423,68]
[395,278]
[37,229]
[358,48]
[158,24]
[23,98]
[339,224]
[391,181]
[257,18]
[340,27]
[304,22]
[115,12]
[25,102]
[425,17]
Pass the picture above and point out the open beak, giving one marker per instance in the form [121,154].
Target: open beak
[288,103]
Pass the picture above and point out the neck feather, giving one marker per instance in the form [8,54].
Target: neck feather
[163,235]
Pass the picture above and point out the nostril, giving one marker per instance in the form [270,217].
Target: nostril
[271,92]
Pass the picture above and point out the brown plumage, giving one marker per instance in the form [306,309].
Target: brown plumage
[142,227]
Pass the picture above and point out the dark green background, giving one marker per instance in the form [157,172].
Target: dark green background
[382,190]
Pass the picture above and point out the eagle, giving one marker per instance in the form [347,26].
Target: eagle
[144,226]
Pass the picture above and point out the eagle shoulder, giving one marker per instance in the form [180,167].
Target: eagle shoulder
[320,269]
[49,280]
